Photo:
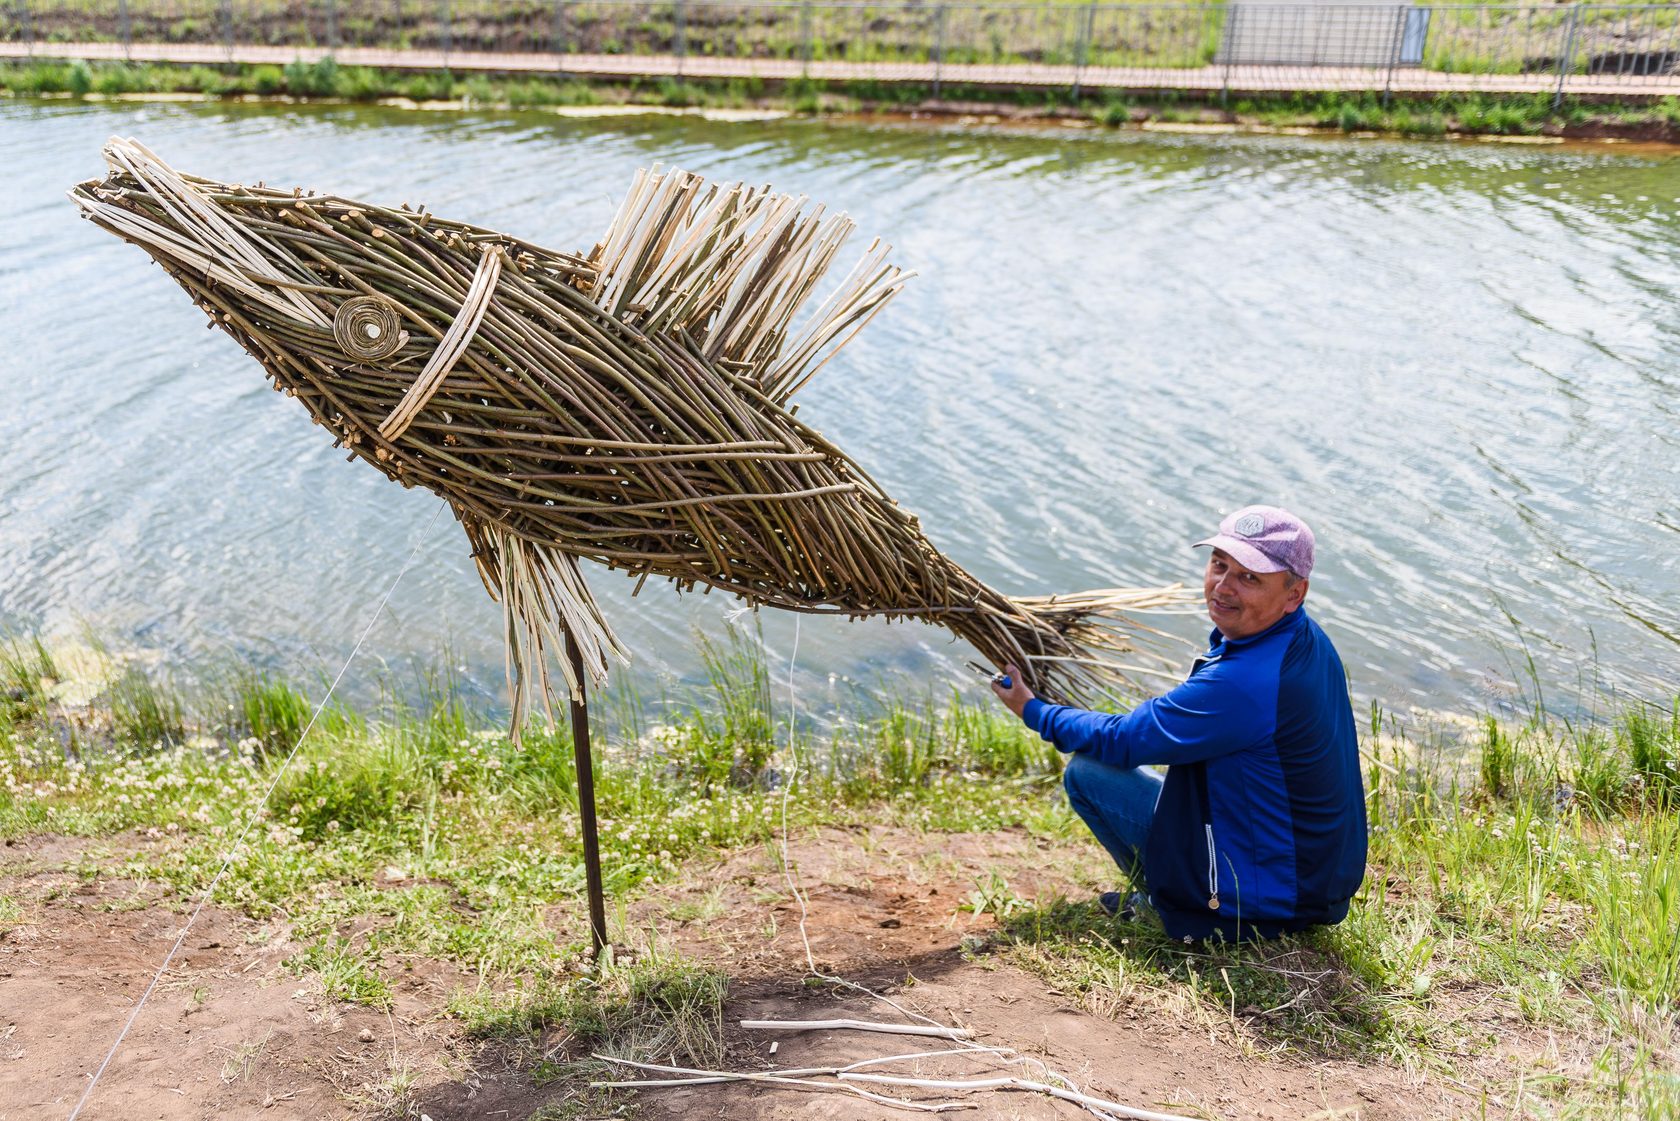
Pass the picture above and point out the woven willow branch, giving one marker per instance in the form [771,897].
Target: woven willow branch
[630,407]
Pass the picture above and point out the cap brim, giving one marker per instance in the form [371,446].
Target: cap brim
[1243,553]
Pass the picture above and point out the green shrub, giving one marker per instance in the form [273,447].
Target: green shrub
[678,94]
[267,80]
[274,713]
[25,668]
[428,87]
[1652,742]
[317,79]
[806,95]
[1499,753]
[345,794]
[43,78]
[1600,773]
[80,78]
[205,80]
[361,83]
[145,713]
[119,79]
[576,93]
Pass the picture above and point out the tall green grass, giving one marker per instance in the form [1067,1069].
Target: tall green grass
[1530,866]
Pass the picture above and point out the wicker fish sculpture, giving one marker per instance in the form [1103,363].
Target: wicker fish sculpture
[632,406]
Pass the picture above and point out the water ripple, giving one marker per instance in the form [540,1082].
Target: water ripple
[1459,361]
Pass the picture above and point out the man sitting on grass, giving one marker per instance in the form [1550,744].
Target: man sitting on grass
[1259,826]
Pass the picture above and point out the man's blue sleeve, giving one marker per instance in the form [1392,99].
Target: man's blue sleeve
[1207,716]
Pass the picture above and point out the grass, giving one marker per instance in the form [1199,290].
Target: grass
[1539,874]
[1482,37]
[1514,115]
[1041,31]
[1524,878]
[429,820]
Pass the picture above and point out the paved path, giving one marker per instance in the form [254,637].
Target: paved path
[1239,79]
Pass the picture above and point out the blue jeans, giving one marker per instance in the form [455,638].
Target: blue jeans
[1118,803]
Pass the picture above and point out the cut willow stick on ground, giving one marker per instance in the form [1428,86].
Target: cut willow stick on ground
[771,1079]
[1002,1055]
[631,406]
[1012,1083]
[857,1025]
[810,1078]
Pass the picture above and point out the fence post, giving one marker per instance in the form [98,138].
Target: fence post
[127,24]
[938,47]
[1400,24]
[1567,59]
[1082,50]
[1231,16]
[444,35]
[805,37]
[227,28]
[332,25]
[559,44]
[680,39]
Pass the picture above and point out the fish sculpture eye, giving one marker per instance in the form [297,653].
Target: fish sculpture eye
[368,328]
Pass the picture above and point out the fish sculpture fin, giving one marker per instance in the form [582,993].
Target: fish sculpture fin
[727,267]
[543,598]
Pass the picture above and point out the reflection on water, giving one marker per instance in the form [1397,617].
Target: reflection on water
[1460,362]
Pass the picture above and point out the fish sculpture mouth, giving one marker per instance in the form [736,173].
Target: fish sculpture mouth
[631,405]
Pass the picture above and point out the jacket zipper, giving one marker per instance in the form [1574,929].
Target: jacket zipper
[1207,828]
[1213,869]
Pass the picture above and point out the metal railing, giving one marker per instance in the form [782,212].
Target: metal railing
[1260,47]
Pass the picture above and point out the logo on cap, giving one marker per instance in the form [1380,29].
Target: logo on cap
[1250,524]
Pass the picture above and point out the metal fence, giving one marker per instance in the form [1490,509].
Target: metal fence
[1250,46]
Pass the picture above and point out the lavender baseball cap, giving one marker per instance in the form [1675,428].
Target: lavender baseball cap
[1265,539]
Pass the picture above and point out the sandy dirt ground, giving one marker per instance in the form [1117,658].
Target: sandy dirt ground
[231,1032]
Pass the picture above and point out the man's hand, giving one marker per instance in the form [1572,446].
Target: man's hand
[1017,695]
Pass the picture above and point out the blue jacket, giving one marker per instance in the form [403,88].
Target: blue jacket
[1260,828]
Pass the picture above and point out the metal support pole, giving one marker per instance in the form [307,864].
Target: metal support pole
[1402,21]
[680,37]
[127,24]
[332,24]
[227,28]
[443,30]
[1566,60]
[1232,14]
[560,34]
[805,37]
[938,47]
[1082,50]
[586,799]
[28,20]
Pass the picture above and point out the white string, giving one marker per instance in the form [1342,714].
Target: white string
[1050,1074]
[255,815]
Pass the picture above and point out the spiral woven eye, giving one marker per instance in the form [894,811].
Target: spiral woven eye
[367,328]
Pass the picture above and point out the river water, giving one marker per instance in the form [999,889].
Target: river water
[1461,362]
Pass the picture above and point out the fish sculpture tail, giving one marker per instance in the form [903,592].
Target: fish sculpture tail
[1085,648]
